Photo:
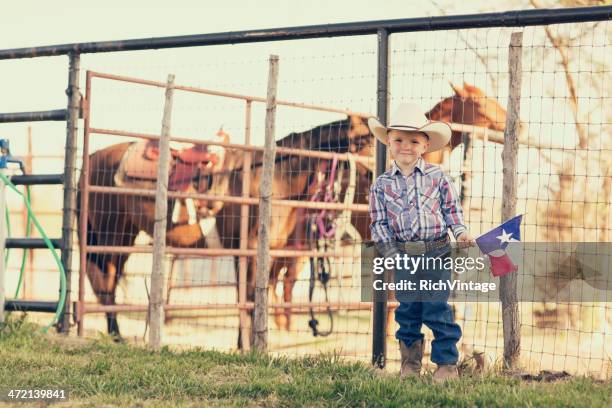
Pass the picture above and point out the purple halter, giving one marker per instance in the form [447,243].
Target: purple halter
[324,193]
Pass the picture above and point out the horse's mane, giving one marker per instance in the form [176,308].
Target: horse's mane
[335,137]
[329,137]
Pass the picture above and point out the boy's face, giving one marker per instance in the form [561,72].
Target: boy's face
[407,147]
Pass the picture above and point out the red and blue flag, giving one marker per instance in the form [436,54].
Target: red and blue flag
[494,244]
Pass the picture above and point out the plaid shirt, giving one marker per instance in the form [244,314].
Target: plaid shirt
[420,207]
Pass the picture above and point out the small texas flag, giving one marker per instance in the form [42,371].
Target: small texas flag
[494,244]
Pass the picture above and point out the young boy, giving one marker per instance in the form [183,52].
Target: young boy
[416,201]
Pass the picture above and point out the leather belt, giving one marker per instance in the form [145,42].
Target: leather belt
[423,247]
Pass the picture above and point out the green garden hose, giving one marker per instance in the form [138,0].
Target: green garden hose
[62,300]
[25,250]
[8,234]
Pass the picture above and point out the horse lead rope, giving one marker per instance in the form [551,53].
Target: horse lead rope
[317,233]
[327,198]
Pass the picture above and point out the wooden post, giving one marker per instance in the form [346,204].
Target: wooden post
[84,205]
[245,321]
[508,283]
[156,302]
[69,208]
[265,209]
[2,249]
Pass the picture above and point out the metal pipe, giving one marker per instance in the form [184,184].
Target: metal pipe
[275,253]
[32,243]
[38,116]
[37,179]
[514,18]
[30,306]
[314,205]
[227,94]
[203,285]
[97,308]
[366,161]
[70,191]
[84,210]
[483,133]
[243,261]
[379,307]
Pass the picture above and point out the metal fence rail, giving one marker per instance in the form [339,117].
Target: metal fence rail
[519,18]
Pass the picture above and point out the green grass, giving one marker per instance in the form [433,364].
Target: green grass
[101,373]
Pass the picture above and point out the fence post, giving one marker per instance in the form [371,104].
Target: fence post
[379,307]
[508,284]
[69,207]
[84,206]
[263,234]
[156,302]
[244,321]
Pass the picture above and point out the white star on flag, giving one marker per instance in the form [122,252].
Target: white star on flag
[506,237]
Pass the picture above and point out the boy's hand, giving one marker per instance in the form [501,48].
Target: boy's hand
[465,240]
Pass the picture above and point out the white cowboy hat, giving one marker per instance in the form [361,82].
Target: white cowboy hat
[410,117]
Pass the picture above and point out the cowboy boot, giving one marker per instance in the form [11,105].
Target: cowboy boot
[411,358]
[445,372]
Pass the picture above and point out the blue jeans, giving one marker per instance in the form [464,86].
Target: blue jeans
[436,313]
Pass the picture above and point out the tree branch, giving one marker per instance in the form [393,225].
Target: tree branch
[556,42]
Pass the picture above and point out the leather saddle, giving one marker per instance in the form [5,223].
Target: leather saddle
[184,163]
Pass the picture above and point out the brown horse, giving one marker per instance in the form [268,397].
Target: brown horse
[361,145]
[293,176]
[116,220]
[468,106]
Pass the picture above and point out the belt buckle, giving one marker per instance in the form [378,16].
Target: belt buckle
[415,247]
[440,243]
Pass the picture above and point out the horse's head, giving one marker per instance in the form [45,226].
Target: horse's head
[470,106]
[349,135]
[361,141]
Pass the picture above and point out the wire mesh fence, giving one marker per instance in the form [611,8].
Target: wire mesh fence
[563,169]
